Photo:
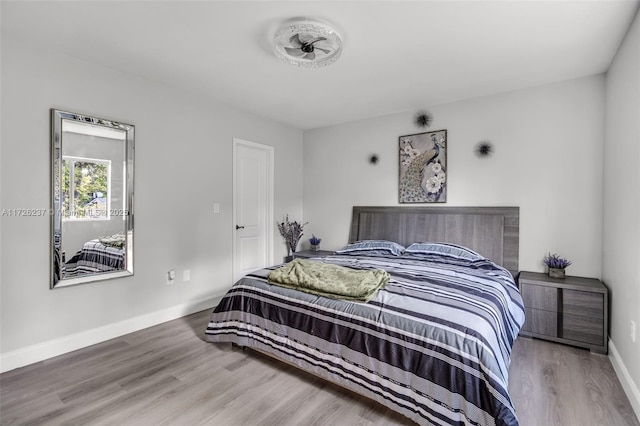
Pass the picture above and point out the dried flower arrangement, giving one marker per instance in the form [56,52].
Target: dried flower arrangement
[291,232]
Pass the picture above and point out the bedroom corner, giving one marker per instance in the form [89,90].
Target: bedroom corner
[183,167]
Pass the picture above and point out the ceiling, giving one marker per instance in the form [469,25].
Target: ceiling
[397,55]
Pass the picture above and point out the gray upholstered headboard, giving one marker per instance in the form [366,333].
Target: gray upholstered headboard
[491,231]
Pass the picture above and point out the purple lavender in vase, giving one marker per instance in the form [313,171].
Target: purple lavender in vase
[556,265]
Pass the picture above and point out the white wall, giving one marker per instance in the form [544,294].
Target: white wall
[621,246]
[183,165]
[548,160]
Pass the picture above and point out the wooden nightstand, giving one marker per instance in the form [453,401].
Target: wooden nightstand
[306,254]
[571,310]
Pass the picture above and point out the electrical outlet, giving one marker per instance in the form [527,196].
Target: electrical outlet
[171,277]
[632,333]
[186,275]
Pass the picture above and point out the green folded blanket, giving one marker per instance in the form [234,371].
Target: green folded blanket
[329,280]
[115,240]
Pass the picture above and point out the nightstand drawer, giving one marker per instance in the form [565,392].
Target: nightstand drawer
[583,303]
[583,329]
[541,322]
[539,297]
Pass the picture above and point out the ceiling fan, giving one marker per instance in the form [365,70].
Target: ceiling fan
[307,44]
[303,45]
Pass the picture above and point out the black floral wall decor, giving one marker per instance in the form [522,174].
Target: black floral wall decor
[484,149]
[423,119]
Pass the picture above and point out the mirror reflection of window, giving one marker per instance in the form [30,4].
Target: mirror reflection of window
[86,195]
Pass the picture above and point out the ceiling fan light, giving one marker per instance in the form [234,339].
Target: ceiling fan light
[325,47]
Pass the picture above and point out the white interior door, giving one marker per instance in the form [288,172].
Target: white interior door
[252,206]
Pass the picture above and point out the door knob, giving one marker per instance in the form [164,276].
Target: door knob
[239,227]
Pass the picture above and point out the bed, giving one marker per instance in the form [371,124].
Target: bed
[95,256]
[434,344]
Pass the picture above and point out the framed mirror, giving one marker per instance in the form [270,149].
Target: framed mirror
[92,163]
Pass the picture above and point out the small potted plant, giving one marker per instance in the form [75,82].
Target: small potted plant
[556,265]
[315,243]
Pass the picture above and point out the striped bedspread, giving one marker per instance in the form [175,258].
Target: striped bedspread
[434,344]
[94,257]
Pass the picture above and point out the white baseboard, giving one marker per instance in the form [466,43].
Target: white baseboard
[630,388]
[49,349]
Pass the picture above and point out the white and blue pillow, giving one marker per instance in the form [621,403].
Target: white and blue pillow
[381,247]
[443,249]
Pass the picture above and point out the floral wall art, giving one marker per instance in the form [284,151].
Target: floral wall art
[423,168]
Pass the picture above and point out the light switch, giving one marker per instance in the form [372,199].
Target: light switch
[216,208]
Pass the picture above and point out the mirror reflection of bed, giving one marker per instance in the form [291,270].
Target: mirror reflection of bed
[104,254]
